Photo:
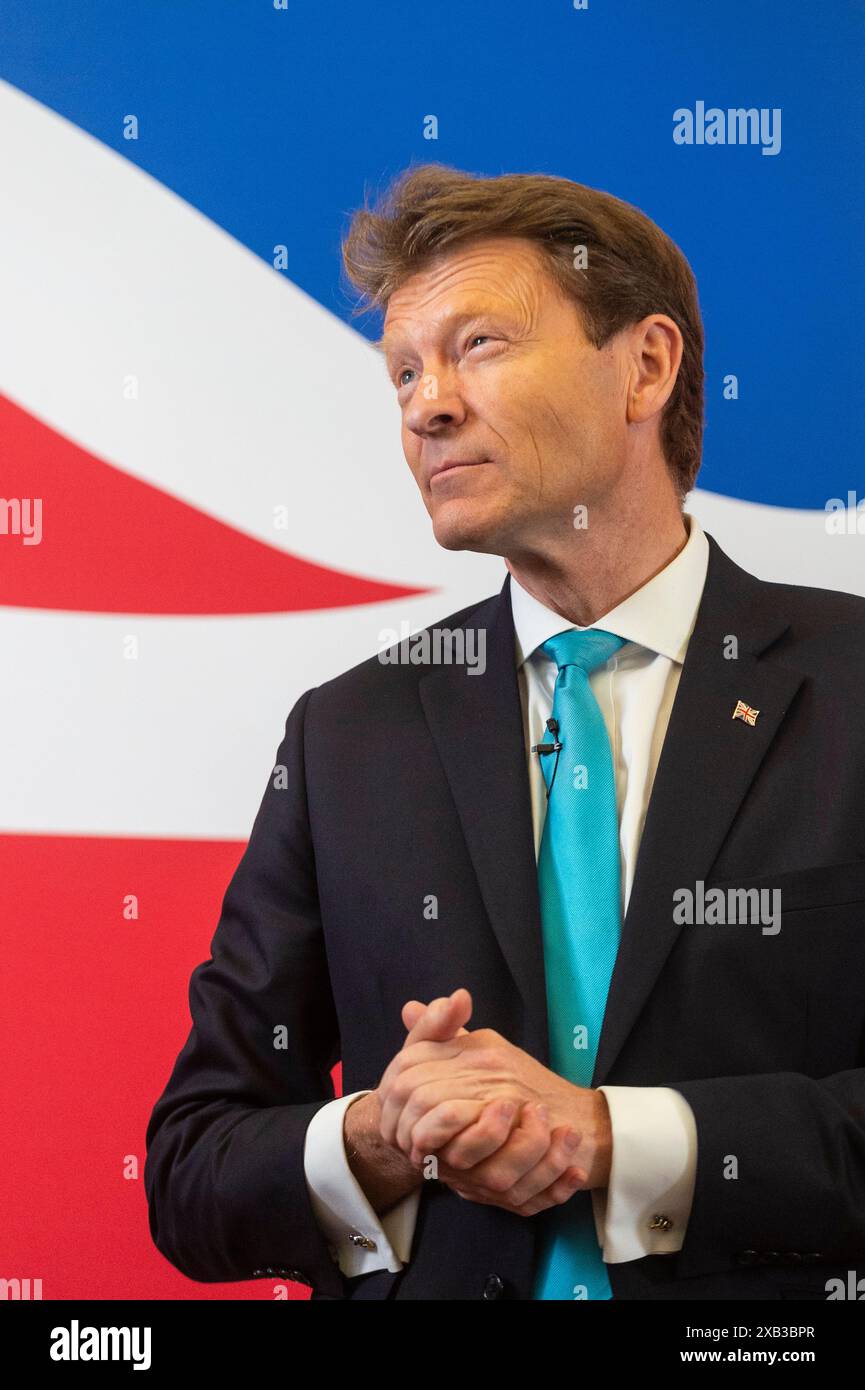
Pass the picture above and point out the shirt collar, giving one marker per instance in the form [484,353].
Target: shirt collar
[660,615]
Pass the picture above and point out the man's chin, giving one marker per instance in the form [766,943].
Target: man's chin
[466,538]
[460,529]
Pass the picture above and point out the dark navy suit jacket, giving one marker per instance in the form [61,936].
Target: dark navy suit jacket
[406,780]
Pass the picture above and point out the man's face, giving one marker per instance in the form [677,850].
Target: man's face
[492,369]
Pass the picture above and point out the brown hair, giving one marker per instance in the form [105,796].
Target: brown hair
[634,268]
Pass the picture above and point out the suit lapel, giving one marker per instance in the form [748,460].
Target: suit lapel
[476,722]
[707,764]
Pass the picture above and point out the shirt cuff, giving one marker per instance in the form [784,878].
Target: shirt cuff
[652,1175]
[341,1206]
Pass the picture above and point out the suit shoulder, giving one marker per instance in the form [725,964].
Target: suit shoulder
[826,632]
[814,610]
[384,670]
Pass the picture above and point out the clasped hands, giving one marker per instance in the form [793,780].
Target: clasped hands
[504,1129]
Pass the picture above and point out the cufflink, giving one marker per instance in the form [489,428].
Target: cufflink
[363,1241]
[660,1223]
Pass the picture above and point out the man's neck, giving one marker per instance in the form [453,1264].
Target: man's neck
[600,570]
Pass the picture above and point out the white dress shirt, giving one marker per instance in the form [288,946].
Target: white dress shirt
[654,1134]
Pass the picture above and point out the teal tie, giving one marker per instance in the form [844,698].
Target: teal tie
[579,887]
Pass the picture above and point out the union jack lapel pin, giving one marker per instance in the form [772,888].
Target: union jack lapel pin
[745,712]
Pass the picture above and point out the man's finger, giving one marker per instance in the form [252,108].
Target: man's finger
[411,1012]
[525,1146]
[415,1055]
[561,1191]
[440,1020]
[558,1162]
[410,1096]
[481,1128]
[441,1124]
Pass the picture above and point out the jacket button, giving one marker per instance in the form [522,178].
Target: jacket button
[812,1258]
[494,1287]
[747,1257]
[295,1274]
[793,1257]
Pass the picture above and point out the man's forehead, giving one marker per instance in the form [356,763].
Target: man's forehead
[497,279]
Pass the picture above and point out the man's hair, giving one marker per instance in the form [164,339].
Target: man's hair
[632,267]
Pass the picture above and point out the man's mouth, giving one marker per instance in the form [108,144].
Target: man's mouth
[451,465]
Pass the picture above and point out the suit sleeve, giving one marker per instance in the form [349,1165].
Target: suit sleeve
[780,1169]
[224,1172]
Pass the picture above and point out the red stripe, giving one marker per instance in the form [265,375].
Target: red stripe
[94,1011]
[113,544]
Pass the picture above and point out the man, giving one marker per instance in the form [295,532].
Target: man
[585,924]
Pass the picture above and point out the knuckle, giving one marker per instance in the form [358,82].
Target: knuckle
[482,1057]
[489,1123]
[401,1089]
[447,1115]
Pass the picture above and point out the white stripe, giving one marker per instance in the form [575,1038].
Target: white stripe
[252,396]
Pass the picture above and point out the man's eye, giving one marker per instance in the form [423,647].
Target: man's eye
[400,375]
[476,337]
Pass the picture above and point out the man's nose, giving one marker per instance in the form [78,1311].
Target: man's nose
[436,403]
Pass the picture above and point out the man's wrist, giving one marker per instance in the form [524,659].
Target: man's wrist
[385,1174]
[599,1175]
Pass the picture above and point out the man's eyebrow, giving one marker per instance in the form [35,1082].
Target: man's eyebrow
[387,345]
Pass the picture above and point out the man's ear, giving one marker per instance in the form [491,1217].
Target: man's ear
[660,351]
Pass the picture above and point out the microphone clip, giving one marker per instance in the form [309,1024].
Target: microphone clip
[555,747]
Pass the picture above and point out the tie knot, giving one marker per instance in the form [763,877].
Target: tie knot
[587,649]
